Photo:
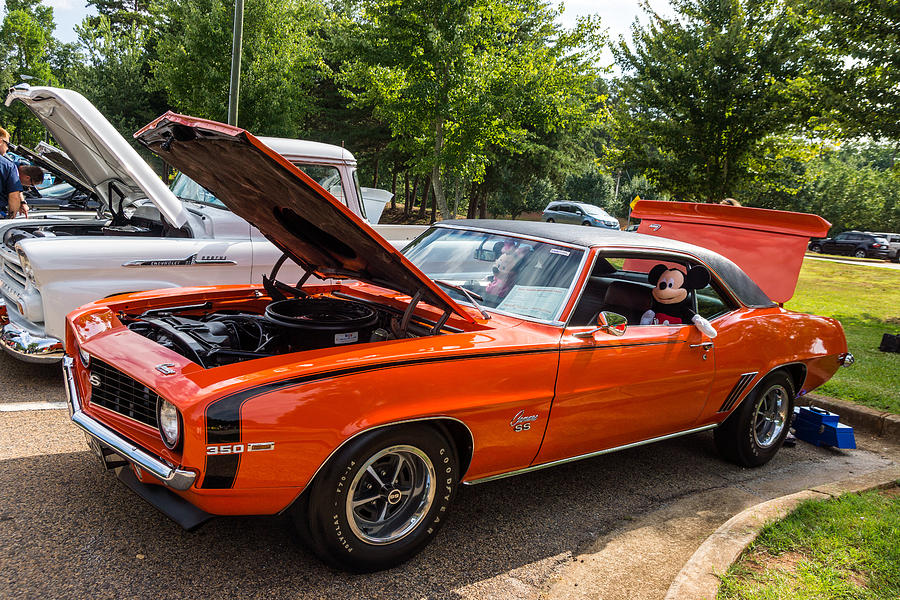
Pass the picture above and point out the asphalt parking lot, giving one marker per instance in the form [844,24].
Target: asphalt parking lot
[69,530]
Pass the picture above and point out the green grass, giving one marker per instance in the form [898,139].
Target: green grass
[866,300]
[846,548]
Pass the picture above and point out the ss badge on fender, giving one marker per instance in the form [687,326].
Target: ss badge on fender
[522,422]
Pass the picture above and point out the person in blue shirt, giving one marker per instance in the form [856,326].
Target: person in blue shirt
[12,202]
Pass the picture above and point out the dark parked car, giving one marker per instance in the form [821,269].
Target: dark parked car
[579,213]
[853,243]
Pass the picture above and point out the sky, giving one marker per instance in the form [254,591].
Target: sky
[617,15]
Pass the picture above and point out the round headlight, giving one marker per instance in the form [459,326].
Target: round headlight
[169,423]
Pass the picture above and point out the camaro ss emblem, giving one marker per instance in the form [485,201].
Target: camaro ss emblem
[166,368]
[522,422]
[95,380]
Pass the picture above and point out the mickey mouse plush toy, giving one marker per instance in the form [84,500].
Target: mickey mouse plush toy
[671,302]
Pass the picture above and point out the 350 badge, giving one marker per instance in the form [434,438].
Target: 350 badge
[239,448]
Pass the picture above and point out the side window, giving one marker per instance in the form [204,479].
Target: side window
[619,283]
[326,176]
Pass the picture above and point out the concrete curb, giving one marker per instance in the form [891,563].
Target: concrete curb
[698,577]
[872,421]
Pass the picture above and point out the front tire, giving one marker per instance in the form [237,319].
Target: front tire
[550,221]
[817,248]
[381,499]
[754,432]
[586,223]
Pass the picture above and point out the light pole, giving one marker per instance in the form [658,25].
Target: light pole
[234,88]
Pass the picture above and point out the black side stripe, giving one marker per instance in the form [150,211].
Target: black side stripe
[223,416]
[737,390]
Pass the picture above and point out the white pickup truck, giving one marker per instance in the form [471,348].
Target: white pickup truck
[145,237]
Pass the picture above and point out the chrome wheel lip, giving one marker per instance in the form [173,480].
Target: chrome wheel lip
[770,416]
[409,511]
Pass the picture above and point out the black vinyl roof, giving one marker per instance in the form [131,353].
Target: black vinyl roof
[578,235]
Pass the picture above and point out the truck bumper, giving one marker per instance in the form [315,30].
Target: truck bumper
[25,345]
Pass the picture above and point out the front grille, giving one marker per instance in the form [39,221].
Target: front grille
[14,272]
[120,393]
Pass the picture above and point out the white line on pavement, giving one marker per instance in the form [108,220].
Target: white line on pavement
[23,406]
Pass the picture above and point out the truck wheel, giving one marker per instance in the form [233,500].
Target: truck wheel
[381,498]
[754,432]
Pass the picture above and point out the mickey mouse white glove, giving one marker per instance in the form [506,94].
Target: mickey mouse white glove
[704,326]
[647,317]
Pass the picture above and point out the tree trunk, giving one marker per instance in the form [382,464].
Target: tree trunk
[436,169]
[413,196]
[473,201]
[424,206]
[375,177]
[394,189]
[433,209]
[406,194]
[457,196]
[482,205]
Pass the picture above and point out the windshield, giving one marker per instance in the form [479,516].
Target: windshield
[594,211]
[187,189]
[512,275]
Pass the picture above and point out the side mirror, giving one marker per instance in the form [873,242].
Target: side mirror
[607,322]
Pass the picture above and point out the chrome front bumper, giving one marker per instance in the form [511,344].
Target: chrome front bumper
[26,346]
[177,479]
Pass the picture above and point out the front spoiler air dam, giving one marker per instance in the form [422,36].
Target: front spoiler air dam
[177,479]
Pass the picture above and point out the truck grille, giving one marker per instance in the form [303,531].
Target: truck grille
[112,389]
[14,272]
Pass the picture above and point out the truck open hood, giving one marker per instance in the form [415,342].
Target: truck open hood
[286,205]
[768,245]
[102,156]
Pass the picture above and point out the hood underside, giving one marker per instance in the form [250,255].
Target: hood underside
[104,159]
[287,206]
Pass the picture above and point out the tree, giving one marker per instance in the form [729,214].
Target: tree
[855,51]
[26,36]
[591,187]
[701,91]
[280,60]
[460,81]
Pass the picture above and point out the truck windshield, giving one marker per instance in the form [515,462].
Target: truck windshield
[187,189]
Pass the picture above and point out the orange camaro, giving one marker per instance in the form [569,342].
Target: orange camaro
[359,397]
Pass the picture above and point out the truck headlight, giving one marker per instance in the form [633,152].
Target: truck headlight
[26,266]
[169,423]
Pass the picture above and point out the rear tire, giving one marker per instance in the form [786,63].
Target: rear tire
[817,248]
[754,432]
[860,253]
[381,499]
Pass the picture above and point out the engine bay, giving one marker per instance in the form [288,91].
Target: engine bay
[288,325]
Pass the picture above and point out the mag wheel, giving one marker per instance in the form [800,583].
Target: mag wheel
[754,432]
[860,253]
[381,499]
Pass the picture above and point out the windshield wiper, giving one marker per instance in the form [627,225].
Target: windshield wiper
[472,296]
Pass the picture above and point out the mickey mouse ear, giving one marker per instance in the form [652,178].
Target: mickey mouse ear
[697,277]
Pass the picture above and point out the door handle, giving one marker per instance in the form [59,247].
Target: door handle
[705,345]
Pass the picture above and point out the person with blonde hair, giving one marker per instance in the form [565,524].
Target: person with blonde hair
[12,202]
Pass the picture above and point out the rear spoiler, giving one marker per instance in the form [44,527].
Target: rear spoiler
[768,245]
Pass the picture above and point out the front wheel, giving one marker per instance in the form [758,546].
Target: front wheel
[550,221]
[817,248]
[754,432]
[860,253]
[381,499]
[586,223]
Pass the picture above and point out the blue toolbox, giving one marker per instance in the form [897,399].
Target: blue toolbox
[821,428]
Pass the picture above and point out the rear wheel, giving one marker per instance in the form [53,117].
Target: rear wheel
[754,432]
[860,253]
[815,248]
[381,498]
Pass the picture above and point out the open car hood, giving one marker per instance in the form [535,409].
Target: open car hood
[57,162]
[286,205]
[768,245]
[104,159]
